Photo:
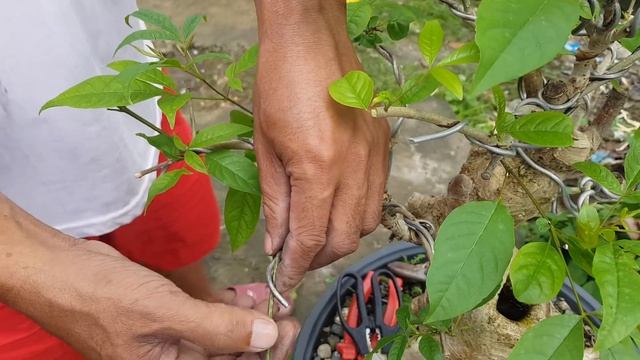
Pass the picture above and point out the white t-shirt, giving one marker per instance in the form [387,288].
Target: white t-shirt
[71,168]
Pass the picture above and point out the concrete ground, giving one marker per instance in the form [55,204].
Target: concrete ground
[424,168]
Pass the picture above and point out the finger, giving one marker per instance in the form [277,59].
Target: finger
[288,330]
[231,297]
[279,311]
[377,176]
[311,199]
[223,329]
[250,356]
[274,183]
[345,223]
[189,351]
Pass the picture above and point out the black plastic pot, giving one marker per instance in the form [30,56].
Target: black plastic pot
[323,313]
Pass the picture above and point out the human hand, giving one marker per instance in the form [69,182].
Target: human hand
[138,313]
[108,307]
[322,165]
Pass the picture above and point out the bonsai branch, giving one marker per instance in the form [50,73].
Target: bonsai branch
[435,119]
[149,124]
[227,145]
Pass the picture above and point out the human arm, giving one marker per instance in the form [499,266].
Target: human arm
[106,306]
[322,165]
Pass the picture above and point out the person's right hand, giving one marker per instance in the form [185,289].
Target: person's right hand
[108,307]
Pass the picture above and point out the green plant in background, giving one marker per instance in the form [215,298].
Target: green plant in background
[475,242]
[223,151]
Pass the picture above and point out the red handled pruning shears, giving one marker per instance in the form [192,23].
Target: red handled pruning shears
[363,330]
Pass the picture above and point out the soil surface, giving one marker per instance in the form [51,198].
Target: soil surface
[231,27]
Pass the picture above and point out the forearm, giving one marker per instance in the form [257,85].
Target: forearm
[27,250]
[301,22]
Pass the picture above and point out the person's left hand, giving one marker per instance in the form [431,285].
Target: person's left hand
[323,166]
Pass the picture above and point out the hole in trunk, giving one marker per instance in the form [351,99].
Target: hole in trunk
[509,306]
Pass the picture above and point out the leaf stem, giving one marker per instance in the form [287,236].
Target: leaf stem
[126,110]
[227,145]
[207,98]
[154,168]
[196,73]
[225,97]
[441,121]
[554,236]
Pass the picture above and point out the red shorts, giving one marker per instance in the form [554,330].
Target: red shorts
[179,228]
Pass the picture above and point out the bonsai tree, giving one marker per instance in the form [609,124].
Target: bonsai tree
[534,130]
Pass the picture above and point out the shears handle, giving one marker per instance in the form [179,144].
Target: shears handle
[387,323]
[357,323]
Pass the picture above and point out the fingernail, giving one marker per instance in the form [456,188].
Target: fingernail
[268,244]
[264,334]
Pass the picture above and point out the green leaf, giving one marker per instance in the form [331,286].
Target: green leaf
[585,10]
[619,285]
[624,350]
[633,198]
[555,338]
[358,15]
[177,141]
[449,80]
[355,89]
[400,19]
[601,175]
[151,17]
[397,348]
[190,25]
[170,104]
[386,98]
[418,88]
[404,315]
[398,30]
[632,246]
[591,287]
[234,170]
[164,143]
[163,183]
[148,34]
[631,44]
[218,133]
[473,249]
[499,99]
[516,37]
[537,273]
[608,234]
[581,256]
[242,118]
[542,225]
[241,215]
[103,92]
[131,73]
[195,161]
[430,40]
[547,128]
[467,54]
[588,227]
[578,275]
[211,56]
[153,75]
[429,348]
[247,61]
[383,343]
[632,163]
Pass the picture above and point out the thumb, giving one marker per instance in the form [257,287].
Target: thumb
[224,329]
